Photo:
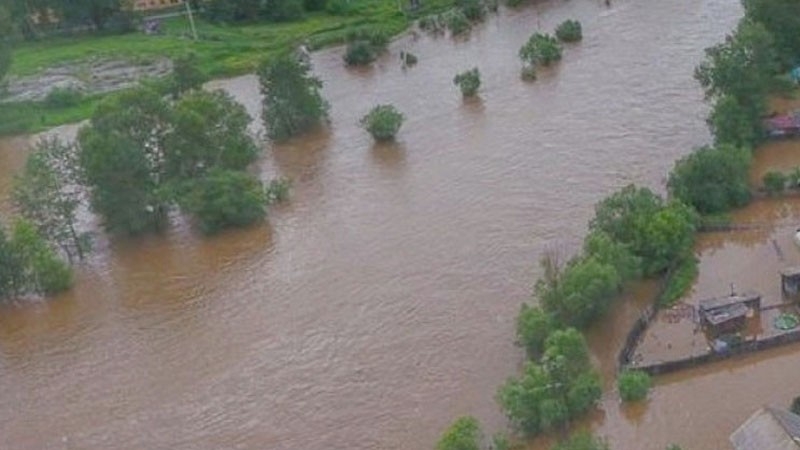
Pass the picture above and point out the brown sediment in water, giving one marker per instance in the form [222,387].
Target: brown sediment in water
[379,303]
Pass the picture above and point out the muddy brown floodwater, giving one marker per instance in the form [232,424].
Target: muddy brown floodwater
[379,303]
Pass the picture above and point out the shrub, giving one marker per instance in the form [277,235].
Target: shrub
[457,22]
[633,385]
[359,53]
[186,75]
[463,434]
[569,31]
[63,97]
[383,122]
[473,10]
[278,190]
[540,50]
[43,273]
[468,81]
[225,198]
[528,73]
[774,182]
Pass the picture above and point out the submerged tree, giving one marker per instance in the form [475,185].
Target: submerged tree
[47,194]
[468,81]
[292,101]
[712,179]
[540,50]
[383,122]
[122,157]
[463,434]
[225,198]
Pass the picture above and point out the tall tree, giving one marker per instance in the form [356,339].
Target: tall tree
[47,194]
[122,154]
[210,131]
[782,19]
[292,101]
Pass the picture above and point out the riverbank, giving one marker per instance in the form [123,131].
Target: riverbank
[222,51]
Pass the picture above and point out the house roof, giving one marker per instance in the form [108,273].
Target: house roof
[722,302]
[768,429]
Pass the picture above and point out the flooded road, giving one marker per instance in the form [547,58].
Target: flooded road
[379,303]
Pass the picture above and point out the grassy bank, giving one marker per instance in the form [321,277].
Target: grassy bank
[222,51]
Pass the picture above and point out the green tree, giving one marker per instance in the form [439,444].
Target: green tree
[782,19]
[712,179]
[540,50]
[743,67]
[121,153]
[292,102]
[469,82]
[209,131]
[534,326]
[225,198]
[47,194]
[582,440]
[43,272]
[383,122]
[583,292]
[633,385]
[561,386]
[463,434]
[186,75]
[605,250]
[734,124]
[102,15]
[659,234]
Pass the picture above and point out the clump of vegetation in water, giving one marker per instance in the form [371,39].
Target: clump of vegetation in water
[569,31]
[225,198]
[534,326]
[278,190]
[292,101]
[528,73]
[774,182]
[540,50]
[474,10]
[457,22]
[469,82]
[559,386]
[712,179]
[633,385]
[463,434]
[364,46]
[383,122]
[408,59]
[582,440]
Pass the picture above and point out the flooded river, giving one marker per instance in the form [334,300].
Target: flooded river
[379,303]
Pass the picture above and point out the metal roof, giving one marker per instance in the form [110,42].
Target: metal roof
[768,429]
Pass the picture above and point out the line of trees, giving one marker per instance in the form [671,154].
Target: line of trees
[93,15]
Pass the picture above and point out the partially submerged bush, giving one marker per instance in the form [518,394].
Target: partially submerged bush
[774,182]
[633,385]
[528,73]
[278,190]
[457,22]
[364,45]
[569,31]
[383,122]
[540,50]
[469,82]
[225,198]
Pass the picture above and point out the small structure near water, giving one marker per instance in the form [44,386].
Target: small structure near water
[783,125]
[790,281]
[768,429]
[722,315]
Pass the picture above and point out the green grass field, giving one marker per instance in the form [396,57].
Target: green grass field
[222,51]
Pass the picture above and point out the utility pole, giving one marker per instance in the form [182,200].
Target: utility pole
[191,18]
